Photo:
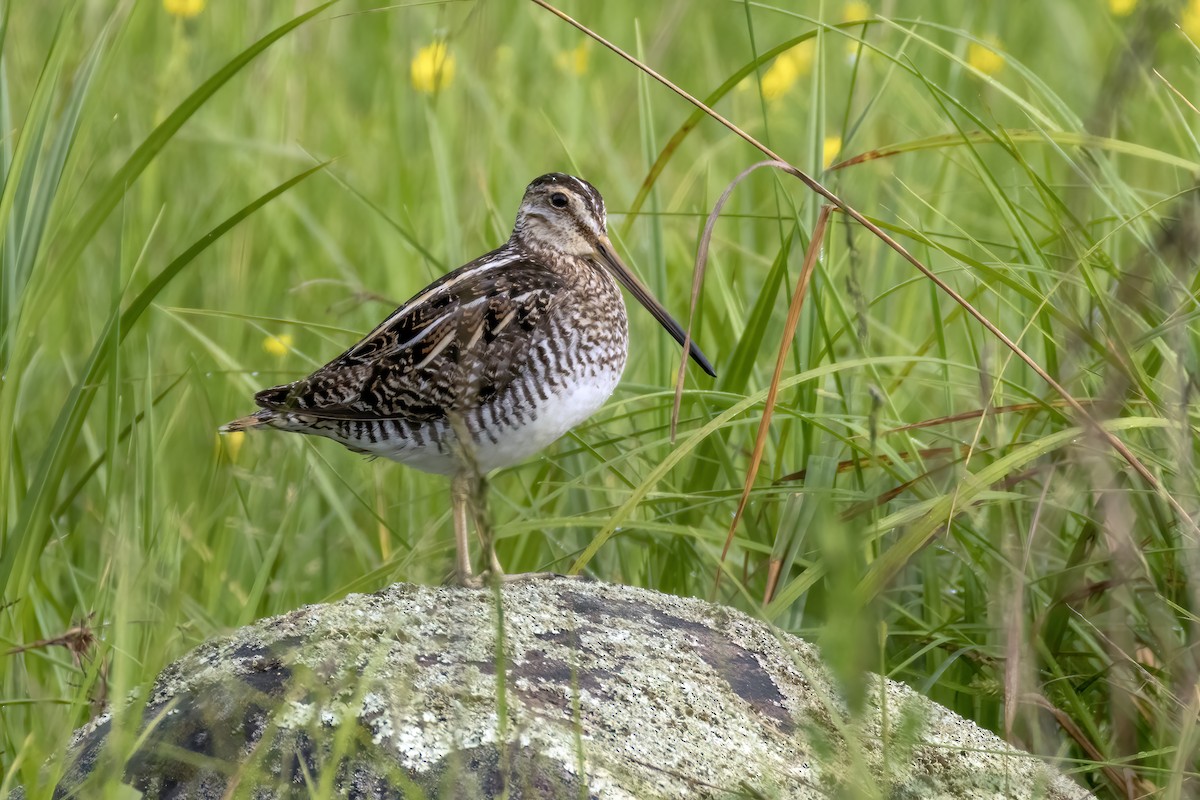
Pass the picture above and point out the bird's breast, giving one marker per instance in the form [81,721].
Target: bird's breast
[564,376]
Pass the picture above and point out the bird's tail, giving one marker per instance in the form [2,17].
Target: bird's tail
[256,420]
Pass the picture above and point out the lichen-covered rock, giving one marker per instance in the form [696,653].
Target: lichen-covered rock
[562,689]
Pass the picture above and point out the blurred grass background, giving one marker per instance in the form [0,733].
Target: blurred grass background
[1041,158]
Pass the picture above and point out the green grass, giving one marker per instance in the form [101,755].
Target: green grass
[155,231]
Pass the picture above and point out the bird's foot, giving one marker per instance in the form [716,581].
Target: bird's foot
[490,578]
[542,576]
[472,581]
[518,577]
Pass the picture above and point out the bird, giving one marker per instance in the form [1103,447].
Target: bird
[488,365]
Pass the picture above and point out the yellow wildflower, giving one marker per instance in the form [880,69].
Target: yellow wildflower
[432,68]
[1122,8]
[184,9]
[231,443]
[985,57]
[856,10]
[830,149]
[1190,20]
[278,345]
[789,67]
[573,61]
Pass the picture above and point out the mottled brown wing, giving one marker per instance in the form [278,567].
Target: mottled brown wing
[457,343]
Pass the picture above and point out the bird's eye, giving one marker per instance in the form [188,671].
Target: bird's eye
[558,200]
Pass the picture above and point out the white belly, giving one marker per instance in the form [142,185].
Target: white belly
[432,447]
[555,416]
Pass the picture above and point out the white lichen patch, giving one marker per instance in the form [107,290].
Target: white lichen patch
[416,749]
[295,714]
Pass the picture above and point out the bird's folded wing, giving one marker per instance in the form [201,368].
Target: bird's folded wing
[454,345]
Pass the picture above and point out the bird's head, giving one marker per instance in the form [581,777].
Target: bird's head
[561,214]
[564,215]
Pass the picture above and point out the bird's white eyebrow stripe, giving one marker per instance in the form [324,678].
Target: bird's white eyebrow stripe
[583,190]
[591,197]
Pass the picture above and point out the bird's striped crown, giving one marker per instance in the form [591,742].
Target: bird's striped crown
[560,214]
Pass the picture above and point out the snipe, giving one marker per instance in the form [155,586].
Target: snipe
[488,365]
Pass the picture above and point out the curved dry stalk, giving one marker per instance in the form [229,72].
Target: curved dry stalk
[698,275]
[1087,421]
[785,344]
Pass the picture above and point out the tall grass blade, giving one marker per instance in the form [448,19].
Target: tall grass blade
[79,237]
[20,170]
[947,507]
[1113,441]
[28,536]
[685,446]
[785,344]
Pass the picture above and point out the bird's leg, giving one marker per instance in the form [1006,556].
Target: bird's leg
[460,499]
[483,524]
[470,498]
[469,492]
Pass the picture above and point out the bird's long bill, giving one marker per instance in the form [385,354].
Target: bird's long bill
[638,289]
